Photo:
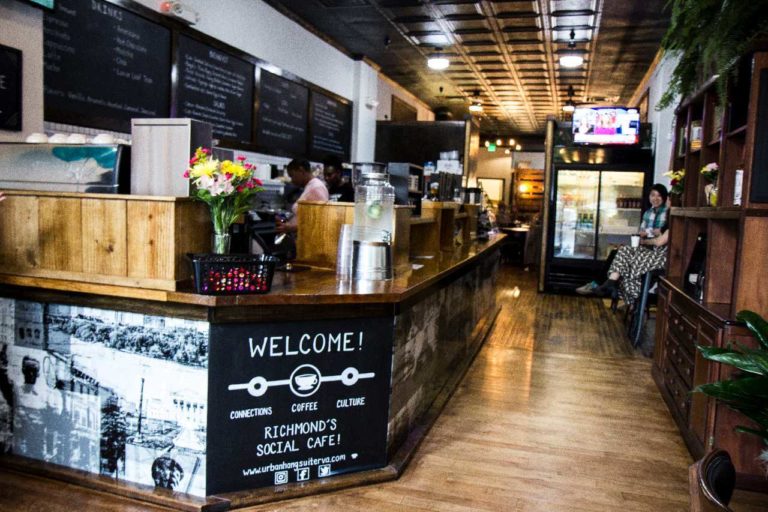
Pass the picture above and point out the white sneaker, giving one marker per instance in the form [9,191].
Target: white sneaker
[587,289]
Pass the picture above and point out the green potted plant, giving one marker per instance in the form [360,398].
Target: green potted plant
[709,35]
[746,391]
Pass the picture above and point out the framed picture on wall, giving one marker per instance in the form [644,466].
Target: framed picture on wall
[493,188]
[10,89]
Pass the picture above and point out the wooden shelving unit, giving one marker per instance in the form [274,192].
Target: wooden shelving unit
[737,243]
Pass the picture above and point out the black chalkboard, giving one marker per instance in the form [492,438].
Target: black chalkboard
[215,87]
[282,125]
[10,89]
[298,401]
[104,65]
[330,127]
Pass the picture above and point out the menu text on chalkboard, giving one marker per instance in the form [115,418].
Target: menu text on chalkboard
[283,106]
[329,127]
[10,89]
[215,87]
[104,65]
[298,401]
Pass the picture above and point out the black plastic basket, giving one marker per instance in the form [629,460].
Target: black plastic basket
[233,274]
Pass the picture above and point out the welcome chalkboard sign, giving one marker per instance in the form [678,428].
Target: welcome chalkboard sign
[215,87]
[104,65]
[330,127]
[283,107]
[299,401]
[10,88]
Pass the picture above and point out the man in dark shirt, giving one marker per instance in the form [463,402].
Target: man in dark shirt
[338,190]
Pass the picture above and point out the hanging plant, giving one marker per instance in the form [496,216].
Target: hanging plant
[710,35]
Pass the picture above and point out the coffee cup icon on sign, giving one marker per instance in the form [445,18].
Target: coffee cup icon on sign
[305,380]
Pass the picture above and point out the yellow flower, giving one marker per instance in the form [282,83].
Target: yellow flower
[204,169]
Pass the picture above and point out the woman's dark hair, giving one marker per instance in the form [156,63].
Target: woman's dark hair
[662,190]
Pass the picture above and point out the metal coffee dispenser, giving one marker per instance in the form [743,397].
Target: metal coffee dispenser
[373,222]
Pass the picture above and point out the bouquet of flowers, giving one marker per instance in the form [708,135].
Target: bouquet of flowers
[710,172]
[677,181]
[227,188]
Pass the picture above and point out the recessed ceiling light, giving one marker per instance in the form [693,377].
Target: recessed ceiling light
[438,62]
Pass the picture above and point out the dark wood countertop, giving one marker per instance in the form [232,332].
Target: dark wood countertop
[305,289]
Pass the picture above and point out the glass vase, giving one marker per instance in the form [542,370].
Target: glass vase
[221,242]
[711,193]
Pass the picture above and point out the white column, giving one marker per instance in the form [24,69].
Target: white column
[364,112]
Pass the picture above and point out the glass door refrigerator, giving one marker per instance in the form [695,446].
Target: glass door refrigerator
[596,196]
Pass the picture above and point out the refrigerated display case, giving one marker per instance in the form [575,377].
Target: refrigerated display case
[595,199]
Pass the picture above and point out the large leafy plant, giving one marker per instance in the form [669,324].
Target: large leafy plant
[710,35]
[747,390]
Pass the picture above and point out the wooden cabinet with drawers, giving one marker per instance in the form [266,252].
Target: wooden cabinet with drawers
[678,368]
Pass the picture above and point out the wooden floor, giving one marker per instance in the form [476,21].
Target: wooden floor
[557,413]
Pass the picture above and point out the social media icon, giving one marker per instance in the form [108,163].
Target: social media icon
[323,470]
[302,474]
[281,477]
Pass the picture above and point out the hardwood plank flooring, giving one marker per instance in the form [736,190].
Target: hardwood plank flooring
[557,413]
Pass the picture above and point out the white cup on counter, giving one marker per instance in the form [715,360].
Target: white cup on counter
[635,240]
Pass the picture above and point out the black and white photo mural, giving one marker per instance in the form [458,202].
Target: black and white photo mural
[89,389]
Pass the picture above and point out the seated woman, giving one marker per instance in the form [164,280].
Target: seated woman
[630,263]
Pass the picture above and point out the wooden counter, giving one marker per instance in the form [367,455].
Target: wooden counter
[155,393]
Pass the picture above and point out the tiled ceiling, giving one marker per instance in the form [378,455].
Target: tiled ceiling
[504,54]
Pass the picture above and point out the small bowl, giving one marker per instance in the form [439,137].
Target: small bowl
[37,138]
[58,138]
[76,138]
[104,138]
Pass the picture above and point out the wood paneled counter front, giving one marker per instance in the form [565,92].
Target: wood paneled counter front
[208,403]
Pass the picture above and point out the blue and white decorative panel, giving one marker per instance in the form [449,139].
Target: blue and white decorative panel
[110,392]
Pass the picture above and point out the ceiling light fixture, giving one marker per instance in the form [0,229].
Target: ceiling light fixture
[438,61]
[476,106]
[571,59]
[498,142]
[511,142]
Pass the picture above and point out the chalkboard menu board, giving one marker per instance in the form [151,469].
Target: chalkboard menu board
[215,87]
[104,65]
[10,88]
[329,127]
[283,106]
[299,401]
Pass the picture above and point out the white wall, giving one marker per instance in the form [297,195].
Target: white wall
[386,89]
[258,29]
[499,165]
[662,121]
[21,27]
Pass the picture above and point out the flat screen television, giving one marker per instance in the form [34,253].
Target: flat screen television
[606,125]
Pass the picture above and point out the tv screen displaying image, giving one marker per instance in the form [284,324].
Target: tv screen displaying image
[606,125]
